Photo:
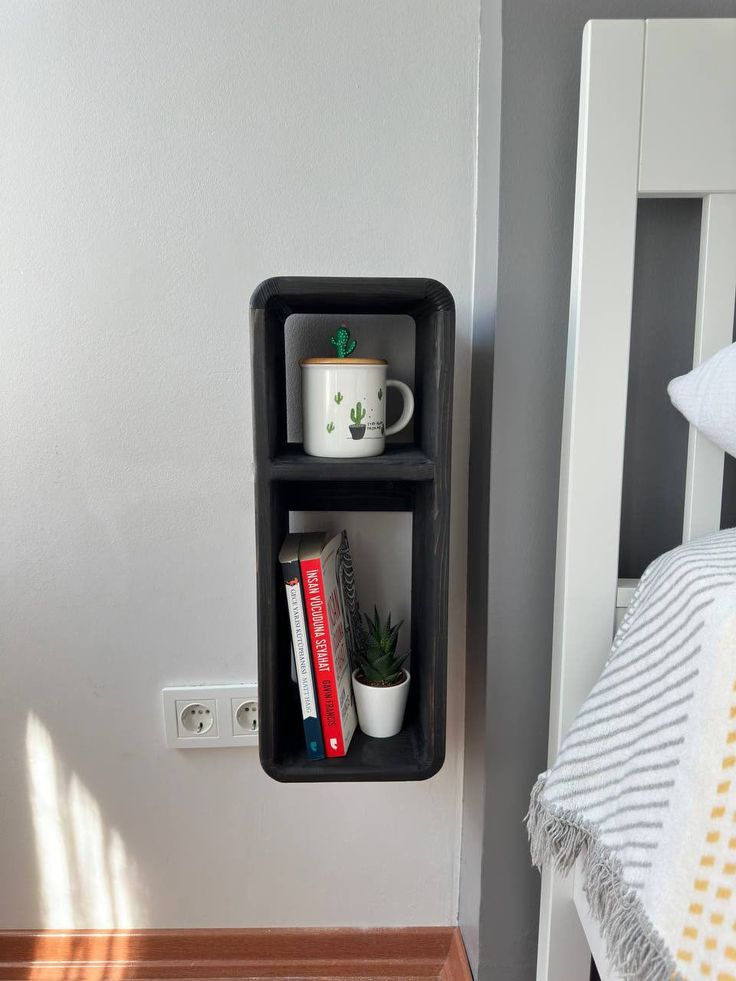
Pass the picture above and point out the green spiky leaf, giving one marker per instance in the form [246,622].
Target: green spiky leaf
[379,662]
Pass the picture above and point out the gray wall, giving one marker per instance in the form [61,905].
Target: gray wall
[540,79]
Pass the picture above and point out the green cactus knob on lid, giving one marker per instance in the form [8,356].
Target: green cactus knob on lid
[342,342]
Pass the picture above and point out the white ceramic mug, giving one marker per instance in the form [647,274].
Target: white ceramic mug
[344,406]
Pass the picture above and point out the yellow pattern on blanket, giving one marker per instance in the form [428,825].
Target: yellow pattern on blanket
[709,936]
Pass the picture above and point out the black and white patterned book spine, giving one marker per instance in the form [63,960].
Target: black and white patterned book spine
[349,597]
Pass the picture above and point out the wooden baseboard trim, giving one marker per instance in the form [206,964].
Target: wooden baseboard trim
[411,954]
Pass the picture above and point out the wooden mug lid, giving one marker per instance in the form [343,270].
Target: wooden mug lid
[344,361]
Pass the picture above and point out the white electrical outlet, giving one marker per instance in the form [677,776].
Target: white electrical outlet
[245,716]
[196,718]
[212,716]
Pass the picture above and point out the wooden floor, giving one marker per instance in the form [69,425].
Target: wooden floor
[412,954]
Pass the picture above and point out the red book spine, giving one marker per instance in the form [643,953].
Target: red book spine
[322,658]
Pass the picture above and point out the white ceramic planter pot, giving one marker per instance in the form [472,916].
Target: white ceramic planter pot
[344,406]
[381,710]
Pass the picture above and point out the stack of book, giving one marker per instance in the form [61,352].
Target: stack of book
[325,634]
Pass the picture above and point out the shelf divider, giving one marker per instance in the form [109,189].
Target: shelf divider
[398,462]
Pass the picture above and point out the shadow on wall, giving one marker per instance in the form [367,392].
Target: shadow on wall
[86,879]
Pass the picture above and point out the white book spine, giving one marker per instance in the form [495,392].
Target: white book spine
[300,645]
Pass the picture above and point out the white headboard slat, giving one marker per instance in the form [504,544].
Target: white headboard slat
[713,330]
[595,410]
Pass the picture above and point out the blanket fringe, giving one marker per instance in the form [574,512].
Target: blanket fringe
[634,947]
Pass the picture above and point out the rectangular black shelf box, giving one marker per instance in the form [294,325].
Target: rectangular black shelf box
[414,478]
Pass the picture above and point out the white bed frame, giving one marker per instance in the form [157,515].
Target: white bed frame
[657,119]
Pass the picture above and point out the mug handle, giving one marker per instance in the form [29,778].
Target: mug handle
[407,412]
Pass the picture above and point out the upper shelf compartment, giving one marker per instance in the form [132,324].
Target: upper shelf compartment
[432,309]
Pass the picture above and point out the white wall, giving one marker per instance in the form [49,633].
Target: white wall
[159,159]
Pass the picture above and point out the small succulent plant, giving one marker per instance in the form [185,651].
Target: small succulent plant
[339,397]
[330,427]
[357,415]
[342,343]
[378,661]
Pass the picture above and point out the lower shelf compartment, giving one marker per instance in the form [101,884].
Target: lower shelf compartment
[401,757]
[421,557]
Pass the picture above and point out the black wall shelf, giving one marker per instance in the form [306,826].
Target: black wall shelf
[411,477]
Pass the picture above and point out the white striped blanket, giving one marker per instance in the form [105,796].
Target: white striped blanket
[645,782]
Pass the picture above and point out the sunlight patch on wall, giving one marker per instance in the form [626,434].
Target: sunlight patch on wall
[86,877]
[48,826]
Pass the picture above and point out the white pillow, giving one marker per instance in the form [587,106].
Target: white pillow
[706,396]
